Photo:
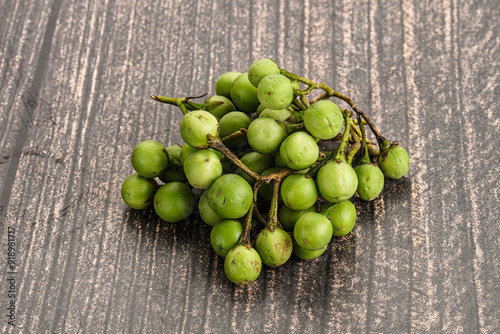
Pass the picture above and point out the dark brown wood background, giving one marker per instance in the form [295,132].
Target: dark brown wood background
[75,80]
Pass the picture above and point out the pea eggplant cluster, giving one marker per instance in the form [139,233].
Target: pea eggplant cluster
[257,152]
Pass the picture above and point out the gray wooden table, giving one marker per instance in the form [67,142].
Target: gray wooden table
[75,80]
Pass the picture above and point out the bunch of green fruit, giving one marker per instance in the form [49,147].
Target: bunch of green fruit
[256,151]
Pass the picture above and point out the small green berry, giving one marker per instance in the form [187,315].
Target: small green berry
[138,192]
[394,163]
[196,126]
[274,247]
[149,159]
[275,91]
[174,202]
[225,235]
[242,265]
[260,68]
[224,83]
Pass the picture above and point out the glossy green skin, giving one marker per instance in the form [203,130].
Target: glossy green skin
[149,158]
[279,162]
[232,122]
[138,192]
[274,248]
[299,192]
[202,168]
[230,196]
[370,181]
[313,231]
[219,105]
[174,172]
[396,163]
[266,189]
[260,68]
[196,126]
[186,150]
[260,109]
[288,217]
[265,135]
[206,213]
[174,202]
[257,163]
[275,91]
[299,150]
[342,216]
[323,119]
[225,235]
[224,83]
[305,254]
[278,114]
[242,265]
[244,94]
[337,181]
[174,152]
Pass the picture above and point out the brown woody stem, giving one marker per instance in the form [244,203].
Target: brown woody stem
[218,145]
[240,133]
[245,239]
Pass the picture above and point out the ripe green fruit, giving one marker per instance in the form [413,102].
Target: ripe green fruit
[174,152]
[244,94]
[299,192]
[232,122]
[265,135]
[224,83]
[274,247]
[278,114]
[242,265]
[275,91]
[174,202]
[138,192]
[225,235]
[196,126]
[260,109]
[260,68]
[206,213]
[323,119]
[394,163]
[219,105]
[279,162]
[313,231]
[342,216]
[299,150]
[257,163]
[266,189]
[305,254]
[202,168]
[149,159]
[337,181]
[370,181]
[173,174]
[230,196]
[288,217]
[186,151]
[174,171]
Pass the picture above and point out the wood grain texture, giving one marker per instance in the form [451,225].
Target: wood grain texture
[75,80]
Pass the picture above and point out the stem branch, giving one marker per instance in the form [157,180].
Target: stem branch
[245,239]
[218,145]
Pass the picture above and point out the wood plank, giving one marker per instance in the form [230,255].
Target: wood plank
[75,85]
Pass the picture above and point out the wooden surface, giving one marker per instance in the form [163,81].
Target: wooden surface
[75,83]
